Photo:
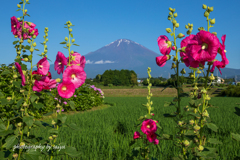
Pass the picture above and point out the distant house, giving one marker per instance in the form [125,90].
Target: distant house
[139,81]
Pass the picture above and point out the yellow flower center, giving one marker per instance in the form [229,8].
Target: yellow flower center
[148,126]
[225,51]
[73,76]
[14,26]
[64,88]
[204,46]
[59,63]
[40,66]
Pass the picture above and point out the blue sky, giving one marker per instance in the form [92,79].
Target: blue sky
[100,22]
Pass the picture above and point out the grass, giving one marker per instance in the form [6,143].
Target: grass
[106,133]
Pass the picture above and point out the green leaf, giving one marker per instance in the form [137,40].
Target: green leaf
[71,35]
[19,102]
[38,105]
[194,69]
[73,126]
[169,115]
[72,152]
[189,133]
[33,97]
[17,84]
[172,34]
[166,104]
[15,42]
[27,47]
[72,105]
[4,102]
[17,10]
[49,113]
[212,127]
[53,131]
[168,137]
[158,126]
[235,136]
[10,141]
[5,72]
[63,43]
[31,154]
[28,120]
[76,44]
[214,141]
[2,127]
[62,117]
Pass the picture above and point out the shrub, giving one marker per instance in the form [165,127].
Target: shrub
[110,85]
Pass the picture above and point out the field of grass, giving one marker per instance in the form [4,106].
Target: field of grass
[106,133]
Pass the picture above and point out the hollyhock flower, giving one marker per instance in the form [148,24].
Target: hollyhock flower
[148,126]
[58,110]
[14,25]
[156,141]
[184,43]
[78,59]
[44,83]
[164,45]
[43,66]
[75,95]
[222,52]
[21,73]
[161,60]
[30,28]
[75,74]
[203,46]
[60,62]
[151,137]
[136,135]
[36,72]
[66,89]
[65,102]
[55,98]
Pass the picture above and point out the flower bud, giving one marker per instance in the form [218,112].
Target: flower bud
[183,71]
[29,41]
[9,98]
[204,91]
[173,48]
[25,10]
[206,14]
[25,104]
[19,124]
[152,114]
[210,9]
[53,122]
[174,21]
[50,138]
[170,13]
[34,36]
[200,148]
[46,34]
[173,10]
[186,143]
[58,106]
[191,121]
[180,123]
[168,57]
[34,44]
[195,110]
[15,155]
[204,6]
[175,58]
[195,88]
[54,136]
[18,5]
[180,35]
[192,76]
[47,40]
[22,144]
[174,65]
[68,45]
[21,90]
[25,59]
[169,18]
[176,25]
[196,127]
[70,30]
[45,51]
[207,98]
[205,113]
[188,32]
[186,26]
[73,40]
[66,38]
[212,21]
[170,9]
[44,42]
[58,80]
[168,30]
[15,76]
[21,109]
[215,33]
[31,49]
[198,72]
[175,14]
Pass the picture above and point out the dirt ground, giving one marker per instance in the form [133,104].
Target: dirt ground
[156,92]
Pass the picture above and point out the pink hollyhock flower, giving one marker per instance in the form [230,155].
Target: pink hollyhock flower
[65,102]
[136,135]
[30,28]
[48,74]
[203,46]
[222,52]
[58,110]
[60,62]
[184,43]
[20,71]
[164,45]
[55,98]
[151,137]
[75,95]
[173,48]
[156,141]
[78,59]
[75,74]
[44,83]
[43,66]
[161,60]
[15,26]
[148,126]
[66,89]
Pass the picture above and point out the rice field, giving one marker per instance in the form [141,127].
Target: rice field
[105,134]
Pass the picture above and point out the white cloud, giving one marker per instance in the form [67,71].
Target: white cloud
[89,62]
[99,62]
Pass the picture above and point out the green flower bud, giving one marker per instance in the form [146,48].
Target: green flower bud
[19,124]
[34,36]
[68,26]
[25,104]
[215,33]
[34,44]
[58,106]
[46,40]
[18,5]
[205,113]
[196,128]
[200,148]
[183,49]
[72,52]
[188,32]
[25,59]
[21,109]
[54,136]
[9,98]
[42,54]
[176,25]
[21,90]
[50,138]
[186,26]
[170,9]
[73,40]
[207,98]
[53,122]
[204,6]
[175,14]
[173,10]
[212,21]
[198,72]
[180,123]
[186,143]
[70,30]
[168,30]
[191,122]
[206,14]
[174,65]
[175,58]
[183,71]
[195,88]
[15,76]
[46,34]
[201,28]
[45,51]
[195,110]
[22,144]
[174,21]
[66,38]
[68,45]
[25,10]
[15,155]
[204,91]
[29,41]
[180,35]
[31,49]
[210,9]
[169,18]
[170,13]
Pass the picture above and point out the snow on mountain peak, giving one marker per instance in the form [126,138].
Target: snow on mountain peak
[119,41]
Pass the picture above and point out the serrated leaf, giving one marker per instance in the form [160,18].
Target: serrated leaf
[2,127]
[62,117]
[5,72]
[20,102]
[73,126]
[33,97]
[38,105]
[72,152]
[17,84]
[76,44]
[214,141]
[10,141]
[212,127]
[28,120]
[235,136]
[63,43]
[31,154]
[72,105]
[190,132]
[15,42]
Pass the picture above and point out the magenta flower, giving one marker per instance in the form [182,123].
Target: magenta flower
[161,60]
[65,102]
[21,73]
[66,89]
[44,83]
[75,95]
[151,137]
[156,141]
[80,60]
[55,98]
[58,110]
[43,66]
[164,45]
[15,26]
[136,135]
[148,126]
[222,52]
[75,74]
[30,28]
[203,47]
[184,43]
[60,62]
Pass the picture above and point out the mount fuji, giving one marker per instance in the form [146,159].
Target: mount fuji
[127,54]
